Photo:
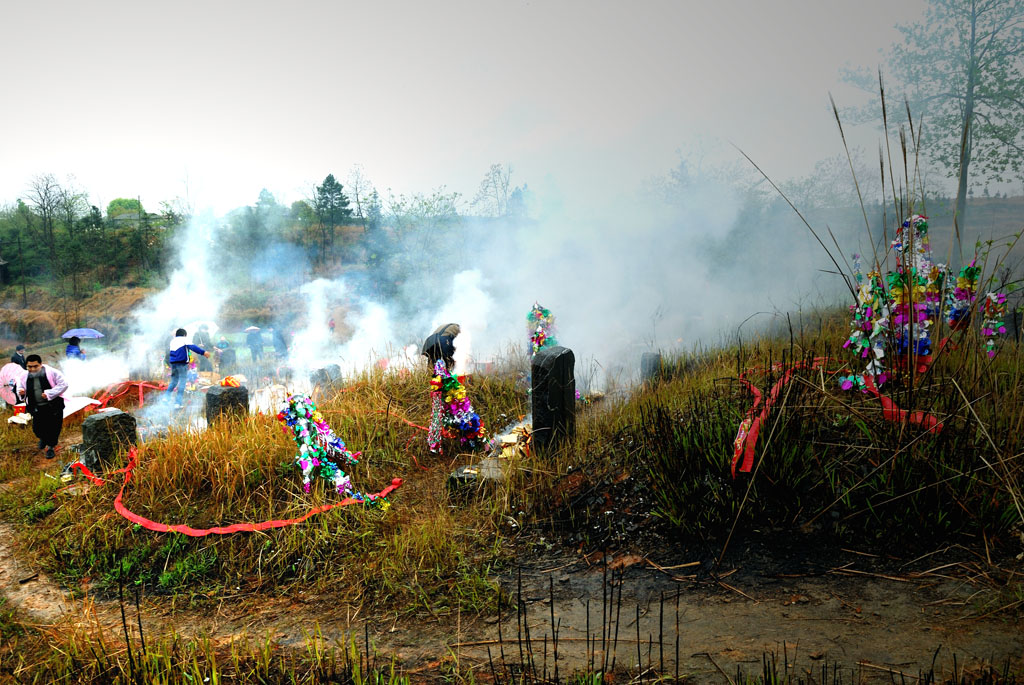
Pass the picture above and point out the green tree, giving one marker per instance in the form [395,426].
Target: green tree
[331,207]
[301,212]
[14,223]
[962,69]
[124,205]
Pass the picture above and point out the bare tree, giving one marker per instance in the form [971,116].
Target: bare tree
[71,206]
[44,196]
[492,197]
[359,188]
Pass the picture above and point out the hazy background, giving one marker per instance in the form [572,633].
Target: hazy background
[645,228]
[218,100]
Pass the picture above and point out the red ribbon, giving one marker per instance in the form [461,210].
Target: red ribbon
[750,427]
[747,441]
[890,412]
[149,524]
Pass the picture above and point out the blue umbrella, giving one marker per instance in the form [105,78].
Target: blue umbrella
[82,333]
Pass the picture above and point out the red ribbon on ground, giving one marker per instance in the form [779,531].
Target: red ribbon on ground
[217,530]
[109,394]
[96,480]
[750,427]
[893,413]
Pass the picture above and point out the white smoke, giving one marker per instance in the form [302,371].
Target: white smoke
[311,347]
[469,306]
[86,376]
[630,274]
[373,338]
[191,295]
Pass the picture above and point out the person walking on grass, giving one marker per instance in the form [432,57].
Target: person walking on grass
[42,387]
[254,340]
[179,363]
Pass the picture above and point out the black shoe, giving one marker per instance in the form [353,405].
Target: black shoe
[41,445]
[49,453]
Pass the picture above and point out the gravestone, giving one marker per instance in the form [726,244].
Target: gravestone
[104,434]
[224,401]
[650,367]
[326,376]
[554,397]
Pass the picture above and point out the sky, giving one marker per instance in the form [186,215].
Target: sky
[213,101]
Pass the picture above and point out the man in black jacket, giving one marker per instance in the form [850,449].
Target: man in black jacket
[254,340]
[42,388]
[19,356]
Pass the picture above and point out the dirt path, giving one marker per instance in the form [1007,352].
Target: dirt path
[863,623]
[28,589]
[841,618]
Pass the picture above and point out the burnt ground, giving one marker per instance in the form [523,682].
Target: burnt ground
[798,598]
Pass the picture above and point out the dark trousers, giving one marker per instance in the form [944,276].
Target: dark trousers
[179,378]
[46,424]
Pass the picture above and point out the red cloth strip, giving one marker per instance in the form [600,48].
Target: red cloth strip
[750,427]
[893,413]
[96,480]
[749,442]
[149,524]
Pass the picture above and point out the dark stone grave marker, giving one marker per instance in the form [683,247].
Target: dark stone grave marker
[223,401]
[554,397]
[104,434]
[650,367]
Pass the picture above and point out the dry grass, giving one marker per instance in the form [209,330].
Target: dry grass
[49,654]
[32,324]
[826,458]
[431,554]
[116,304]
[422,553]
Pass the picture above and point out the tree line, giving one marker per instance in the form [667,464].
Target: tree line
[53,236]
